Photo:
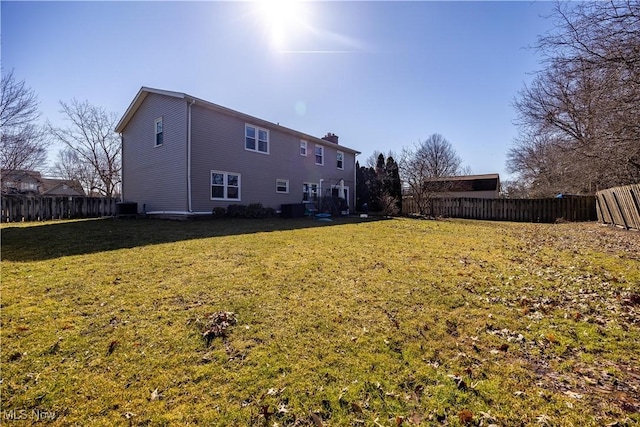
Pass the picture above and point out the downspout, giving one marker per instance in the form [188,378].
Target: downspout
[189,208]
[355,184]
[121,168]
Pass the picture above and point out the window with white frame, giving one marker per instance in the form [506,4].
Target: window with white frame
[225,185]
[282,186]
[256,139]
[309,191]
[319,155]
[303,148]
[341,192]
[340,160]
[159,131]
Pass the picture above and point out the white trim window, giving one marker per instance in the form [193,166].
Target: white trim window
[225,185]
[282,186]
[303,148]
[256,139]
[319,152]
[158,127]
[340,160]
[309,191]
[340,192]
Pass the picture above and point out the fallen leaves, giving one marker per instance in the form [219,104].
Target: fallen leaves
[460,384]
[573,394]
[266,413]
[216,325]
[155,395]
[112,346]
[465,416]
[15,356]
[317,421]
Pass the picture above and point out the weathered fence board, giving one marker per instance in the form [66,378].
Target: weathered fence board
[39,208]
[574,208]
[620,206]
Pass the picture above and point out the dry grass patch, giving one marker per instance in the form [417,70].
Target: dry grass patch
[394,322]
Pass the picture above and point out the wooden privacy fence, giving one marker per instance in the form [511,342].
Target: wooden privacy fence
[620,206]
[572,208]
[39,208]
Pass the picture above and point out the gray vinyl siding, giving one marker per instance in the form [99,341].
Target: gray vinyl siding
[218,142]
[156,177]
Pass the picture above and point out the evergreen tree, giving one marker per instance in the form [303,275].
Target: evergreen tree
[380,166]
[375,189]
[362,186]
[376,183]
[392,184]
[379,187]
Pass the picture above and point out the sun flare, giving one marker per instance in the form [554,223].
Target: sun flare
[285,21]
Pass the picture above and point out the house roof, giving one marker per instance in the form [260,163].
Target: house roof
[61,187]
[145,91]
[45,186]
[19,174]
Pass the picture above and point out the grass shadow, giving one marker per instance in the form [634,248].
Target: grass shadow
[42,241]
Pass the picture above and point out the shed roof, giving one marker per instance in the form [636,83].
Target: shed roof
[464,183]
[145,91]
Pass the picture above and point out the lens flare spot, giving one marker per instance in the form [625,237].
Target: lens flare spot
[300,108]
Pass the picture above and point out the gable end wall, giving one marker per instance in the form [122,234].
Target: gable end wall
[156,177]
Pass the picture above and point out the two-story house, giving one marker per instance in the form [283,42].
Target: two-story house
[182,155]
[27,182]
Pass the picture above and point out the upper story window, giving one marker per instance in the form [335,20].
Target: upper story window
[159,129]
[225,185]
[256,139]
[340,160]
[303,148]
[319,155]
[28,186]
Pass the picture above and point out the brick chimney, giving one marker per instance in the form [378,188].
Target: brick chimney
[331,137]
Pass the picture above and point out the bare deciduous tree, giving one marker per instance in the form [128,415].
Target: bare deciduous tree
[424,167]
[68,166]
[22,146]
[514,190]
[91,137]
[585,104]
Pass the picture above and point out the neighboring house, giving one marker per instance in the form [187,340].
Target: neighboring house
[476,186]
[61,187]
[184,156]
[33,183]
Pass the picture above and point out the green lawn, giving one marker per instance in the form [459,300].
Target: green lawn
[350,323]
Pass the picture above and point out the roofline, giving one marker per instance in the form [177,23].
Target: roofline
[467,177]
[144,91]
[137,101]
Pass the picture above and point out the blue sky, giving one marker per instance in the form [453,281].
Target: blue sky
[381,75]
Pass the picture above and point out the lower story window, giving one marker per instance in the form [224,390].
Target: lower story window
[309,192]
[282,185]
[340,192]
[225,185]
